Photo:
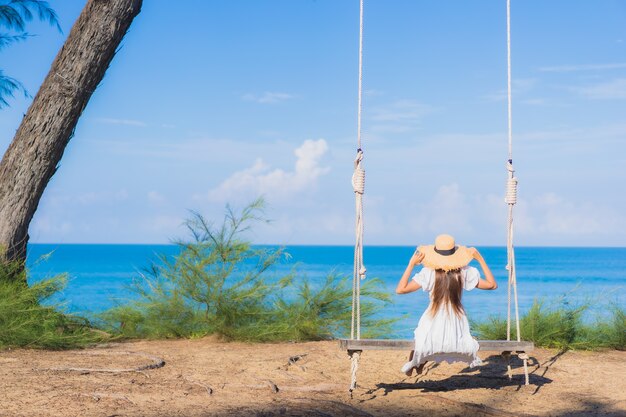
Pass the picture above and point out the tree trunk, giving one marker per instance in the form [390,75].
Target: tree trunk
[38,145]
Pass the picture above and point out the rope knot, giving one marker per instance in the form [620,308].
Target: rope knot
[358,177]
[511,184]
[511,191]
[358,181]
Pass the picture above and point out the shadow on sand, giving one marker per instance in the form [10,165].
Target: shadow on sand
[491,375]
[328,408]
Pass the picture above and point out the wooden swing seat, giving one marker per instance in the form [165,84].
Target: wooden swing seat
[409,344]
[506,348]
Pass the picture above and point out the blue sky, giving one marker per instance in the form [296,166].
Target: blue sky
[220,101]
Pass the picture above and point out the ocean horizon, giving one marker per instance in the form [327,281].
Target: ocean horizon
[99,275]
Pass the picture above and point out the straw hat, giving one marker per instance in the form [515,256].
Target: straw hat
[444,254]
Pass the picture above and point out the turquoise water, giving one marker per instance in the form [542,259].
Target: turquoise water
[99,274]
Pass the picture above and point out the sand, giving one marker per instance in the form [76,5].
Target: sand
[206,377]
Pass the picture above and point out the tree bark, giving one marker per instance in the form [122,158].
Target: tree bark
[33,156]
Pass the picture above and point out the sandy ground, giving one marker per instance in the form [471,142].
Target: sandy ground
[211,378]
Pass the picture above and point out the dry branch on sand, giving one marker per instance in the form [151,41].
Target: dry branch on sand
[208,389]
[155,363]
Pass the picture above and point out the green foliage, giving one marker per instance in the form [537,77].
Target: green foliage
[220,284]
[610,333]
[27,320]
[562,327]
[325,312]
[14,15]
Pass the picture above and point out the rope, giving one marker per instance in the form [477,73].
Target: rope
[511,200]
[511,190]
[358,185]
[354,367]
[360,103]
[508,61]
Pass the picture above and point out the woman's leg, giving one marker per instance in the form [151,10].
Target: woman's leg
[410,371]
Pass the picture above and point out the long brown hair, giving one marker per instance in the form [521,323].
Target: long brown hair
[447,291]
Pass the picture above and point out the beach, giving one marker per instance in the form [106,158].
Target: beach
[209,377]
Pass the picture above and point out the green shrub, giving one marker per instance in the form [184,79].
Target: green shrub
[610,333]
[326,312]
[27,319]
[221,284]
[561,327]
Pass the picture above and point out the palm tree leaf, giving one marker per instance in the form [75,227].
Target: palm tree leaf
[8,87]
[16,13]
[6,40]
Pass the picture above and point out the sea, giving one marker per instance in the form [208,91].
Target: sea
[99,276]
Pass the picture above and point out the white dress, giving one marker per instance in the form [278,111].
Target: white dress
[444,336]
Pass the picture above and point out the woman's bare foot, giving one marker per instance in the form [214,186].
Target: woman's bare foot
[418,370]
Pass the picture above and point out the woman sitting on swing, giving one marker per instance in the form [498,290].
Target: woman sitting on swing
[443,333]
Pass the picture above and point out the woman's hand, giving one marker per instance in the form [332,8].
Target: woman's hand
[417,258]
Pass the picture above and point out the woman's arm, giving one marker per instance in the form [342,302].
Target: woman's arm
[489,283]
[404,286]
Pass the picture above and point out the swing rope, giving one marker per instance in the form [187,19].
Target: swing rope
[511,200]
[511,190]
[358,185]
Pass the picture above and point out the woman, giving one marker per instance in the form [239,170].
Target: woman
[443,332]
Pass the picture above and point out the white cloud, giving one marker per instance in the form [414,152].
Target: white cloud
[543,219]
[410,197]
[447,212]
[89,198]
[551,215]
[121,194]
[399,116]
[163,224]
[583,67]
[608,133]
[125,122]
[201,149]
[261,179]
[268,97]
[518,86]
[614,89]
[48,226]
[100,197]
[535,101]
[155,197]
[373,92]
